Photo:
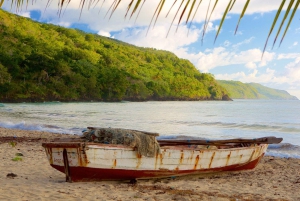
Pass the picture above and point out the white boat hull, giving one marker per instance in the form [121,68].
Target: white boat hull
[90,161]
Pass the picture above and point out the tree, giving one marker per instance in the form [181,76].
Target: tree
[50,63]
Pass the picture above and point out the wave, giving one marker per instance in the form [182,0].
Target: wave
[47,103]
[36,127]
[285,146]
[288,128]
[283,150]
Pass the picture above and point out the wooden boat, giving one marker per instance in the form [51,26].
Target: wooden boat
[88,161]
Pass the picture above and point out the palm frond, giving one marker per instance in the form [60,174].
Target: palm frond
[171,7]
[111,7]
[283,20]
[223,18]
[190,12]
[194,16]
[206,24]
[115,7]
[206,21]
[188,9]
[153,16]
[1,3]
[273,24]
[162,2]
[232,5]
[139,11]
[242,14]
[128,7]
[175,17]
[290,20]
[135,7]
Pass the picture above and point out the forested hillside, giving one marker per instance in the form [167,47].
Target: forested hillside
[239,90]
[44,62]
[269,93]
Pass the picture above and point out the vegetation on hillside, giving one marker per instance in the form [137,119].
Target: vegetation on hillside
[239,90]
[44,62]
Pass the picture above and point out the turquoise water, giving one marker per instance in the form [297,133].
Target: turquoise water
[206,119]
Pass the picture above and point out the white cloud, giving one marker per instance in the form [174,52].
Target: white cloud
[253,76]
[24,14]
[104,33]
[295,43]
[222,57]
[227,43]
[158,39]
[62,23]
[247,41]
[239,33]
[251,65]
[293,70]
[288,56]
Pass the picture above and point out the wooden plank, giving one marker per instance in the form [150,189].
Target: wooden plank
[263,140]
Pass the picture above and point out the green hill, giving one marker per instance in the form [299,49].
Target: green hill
[44,62]
[239,90]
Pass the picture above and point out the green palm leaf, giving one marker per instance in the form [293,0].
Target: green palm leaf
[291,18]
[273,24]
[135,7]
[111,6]
[184,9]
[171,8]
[160,8]
[153,16]
[128,7]
[283,20]
[115,7]
[175,17]
[1,3]
[206,24]
[242,15]
[139,11]
[232,5]
[194,16]
[223,18]
[203,33]
[190,12]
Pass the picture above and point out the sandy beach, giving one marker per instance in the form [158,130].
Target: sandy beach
[27,175]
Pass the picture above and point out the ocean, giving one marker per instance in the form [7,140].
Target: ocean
[204,119]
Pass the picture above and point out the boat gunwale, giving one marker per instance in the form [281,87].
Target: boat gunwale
[93,145]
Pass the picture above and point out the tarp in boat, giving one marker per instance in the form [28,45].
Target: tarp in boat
[144,142]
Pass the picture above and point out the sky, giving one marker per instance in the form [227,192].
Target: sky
[231,57]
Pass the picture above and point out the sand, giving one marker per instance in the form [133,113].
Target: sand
[32,178]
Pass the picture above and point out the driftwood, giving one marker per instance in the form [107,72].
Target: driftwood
[21,139]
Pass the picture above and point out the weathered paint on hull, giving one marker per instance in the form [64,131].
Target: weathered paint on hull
[81,174]
[84,162]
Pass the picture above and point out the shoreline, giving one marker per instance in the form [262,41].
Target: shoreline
[118,101]
[273,179]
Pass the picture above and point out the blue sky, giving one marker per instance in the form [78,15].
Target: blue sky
[232,57]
